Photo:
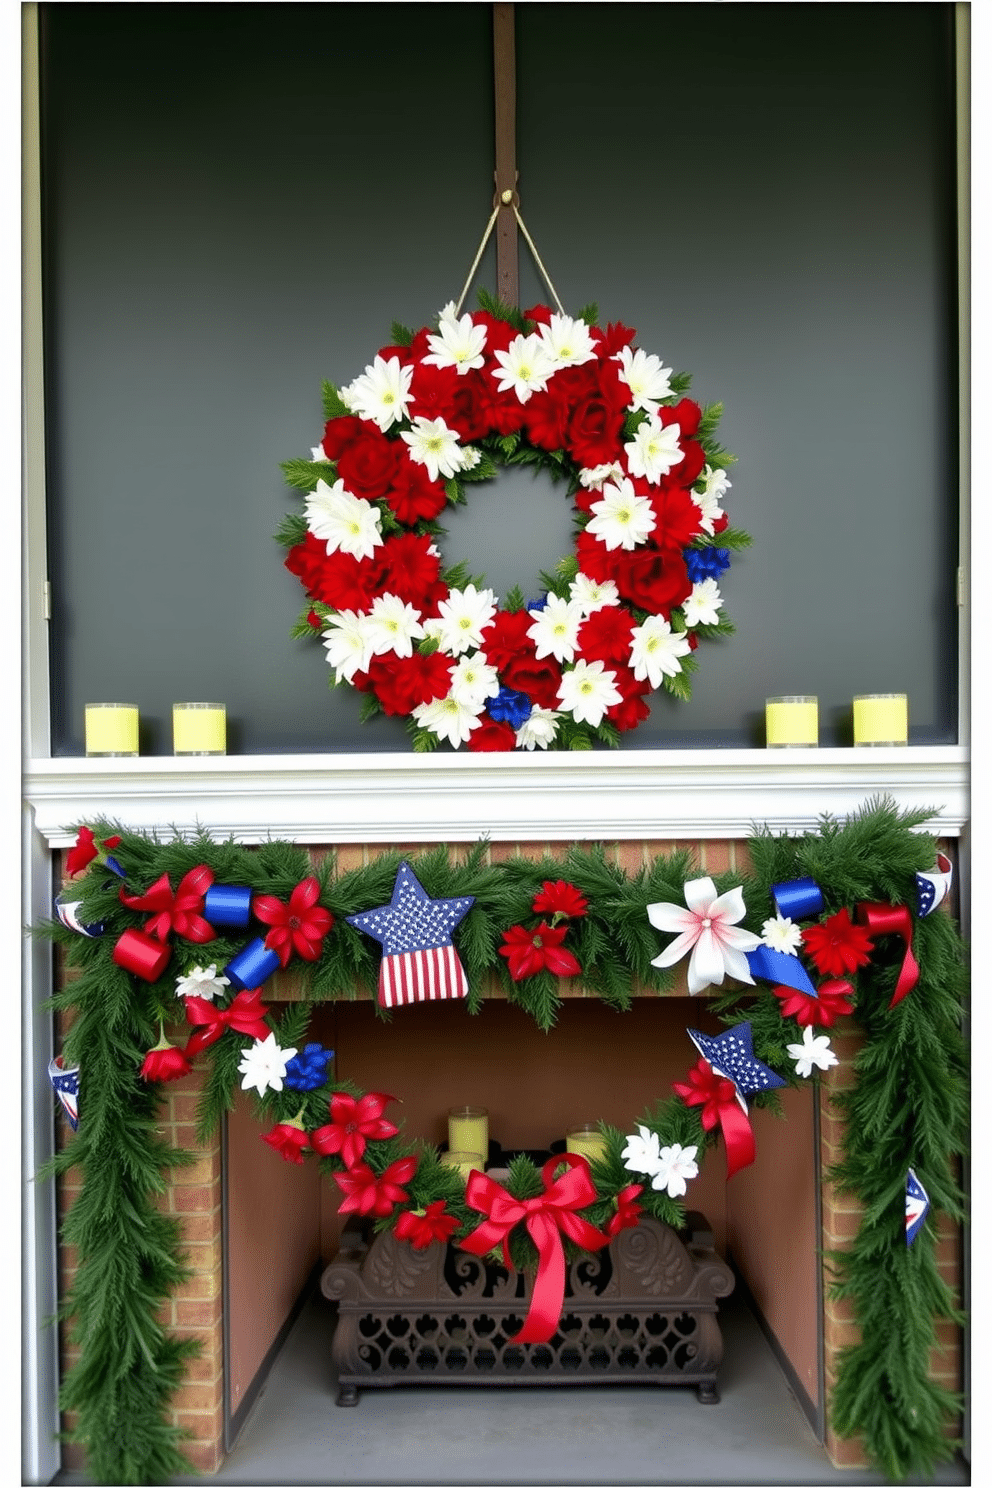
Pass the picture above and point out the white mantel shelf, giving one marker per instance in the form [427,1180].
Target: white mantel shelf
[391,798]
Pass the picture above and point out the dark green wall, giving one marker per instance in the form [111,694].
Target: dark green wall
[239,199]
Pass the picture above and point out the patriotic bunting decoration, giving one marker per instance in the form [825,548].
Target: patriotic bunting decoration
[917,1206]
[67,912]
[932,888]
[65,1082]
[419,961]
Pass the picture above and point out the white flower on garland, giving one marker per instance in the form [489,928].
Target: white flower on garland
[654,450]
[594,477]
[458,344]
[593,594]
[382,393]
[655,650]
[449,717]
[555,629]
[676,1165]
[708,928]
[621,518]
[202,981]
[539,730]
[263,1065]
[642,1153]
[715,483]
[348,644]
[567,341]
[462,618]
[813,1051]
[587,690]
[526,367]
[393,625]
[346,523]
[704,603]
[473,680]
[646,378]
[470,457]
[433,444]
[782,934]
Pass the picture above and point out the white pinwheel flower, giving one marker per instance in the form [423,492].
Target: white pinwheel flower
[676,1164]
[782,934]
[348,644]
[642,1153]
[708,928]
[715,483]
[621,518]
[526,367]
[382,393]
[704,604]
[463,616]
[555,628]
[813,1051]
[587,690]
[449,718]
[567,341]
[539,730]
[594,477]
[654,450]
[393,625]
[655,649]
[593,594]
[473,680]
[433,444]
[347,523]
[263,1065]
[202,981]
[458,344]
[646,378]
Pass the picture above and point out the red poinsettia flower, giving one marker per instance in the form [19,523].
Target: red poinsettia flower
[530,951]
[364,1193]
[85,850]
[165,1062]
[837,947]
[298,926]
[560,898]
[421,1229]
[628,1213]
[289,1140]
[352,1124]
[832,1001]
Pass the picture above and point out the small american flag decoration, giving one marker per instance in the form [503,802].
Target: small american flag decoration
[419,961]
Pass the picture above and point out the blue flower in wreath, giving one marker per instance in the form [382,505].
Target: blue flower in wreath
[705,563]
[510,707]
[307,1070]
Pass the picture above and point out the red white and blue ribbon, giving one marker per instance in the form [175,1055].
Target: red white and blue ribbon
[419,960]
[933,888]
[67,911]
[917,1206]
[64,1080]
[795,899]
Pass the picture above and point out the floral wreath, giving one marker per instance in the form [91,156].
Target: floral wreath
[622,615]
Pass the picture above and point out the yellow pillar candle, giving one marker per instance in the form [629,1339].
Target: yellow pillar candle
[468,1131]
[792,722]
[881,718]
[586,1140]
[463,1161]
[111,729]
[199,728]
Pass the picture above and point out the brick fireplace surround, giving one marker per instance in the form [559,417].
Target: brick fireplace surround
[197,1198]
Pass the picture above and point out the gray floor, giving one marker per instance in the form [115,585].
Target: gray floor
[628,1435]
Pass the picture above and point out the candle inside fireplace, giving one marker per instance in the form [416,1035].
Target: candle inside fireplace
[463,1161]
[586,1140]
[468,1131]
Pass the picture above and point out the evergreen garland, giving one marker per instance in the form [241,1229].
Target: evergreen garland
[908,1107]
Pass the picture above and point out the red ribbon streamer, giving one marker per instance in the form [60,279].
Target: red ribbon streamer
[546,1217]
[718,1098]
[893,919]
[246,1014]
[179,911]
[141,954]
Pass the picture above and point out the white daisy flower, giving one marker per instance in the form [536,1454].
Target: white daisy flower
[392,625]
[676,1164]
[382,393]
[470,457]
[263,1065]
[654,450]
[642,1153]
[812,1052]
[202,981]
[433,444]
[449,718]
[621,518]
[458,344]
[703,604]
[587,690]
[655,650]
[526,367]
[555,628]
[646,378]
[782,934]
[567,341]
[473,680]
[462,618]
[539,730]
[347,523]
[348,644]
[593,594]
[715,483]
[593,477]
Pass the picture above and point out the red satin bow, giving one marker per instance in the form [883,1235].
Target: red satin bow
[546,1218]
[179,911]
[246,1014]
[893,919]
[718,1098]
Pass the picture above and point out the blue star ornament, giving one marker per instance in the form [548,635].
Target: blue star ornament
[731,1055]
[419,961]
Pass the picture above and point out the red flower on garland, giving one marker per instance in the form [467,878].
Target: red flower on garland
[706,1089]
[628,1213]
[364,1193]
[179,911]
[298,926]
[837,947]
[85,850]
[419,1230]
[289,1140]
[165,1062]
[560,898]
[530,951]
[352,1124]
[832,1001]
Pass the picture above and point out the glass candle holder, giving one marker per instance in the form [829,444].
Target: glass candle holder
[468,1131]
[463,1161]
[199,728]
[586,1140]
[111,730]
[792,722]
[881,718]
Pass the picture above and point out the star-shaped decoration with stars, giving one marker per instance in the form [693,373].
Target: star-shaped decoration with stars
[731,1054]
[419,961]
